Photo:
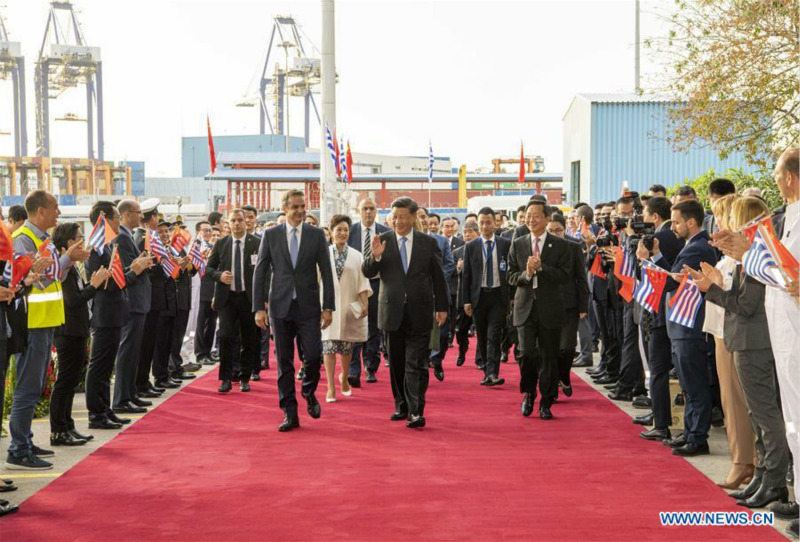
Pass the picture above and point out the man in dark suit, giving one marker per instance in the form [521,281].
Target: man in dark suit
[658,211]
[690,347]
[413,286]
[166,317]
[521,229]
[183,306]
[539,267]
[110,311]
[206,315]
[125,397]
[231,265]
[464,322]
[295,254]
[450,232]
[485,292]
[368,353]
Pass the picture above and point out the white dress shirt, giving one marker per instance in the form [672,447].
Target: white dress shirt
[410,241]
[289,236]
[234,284]
[495,267]
[533,278]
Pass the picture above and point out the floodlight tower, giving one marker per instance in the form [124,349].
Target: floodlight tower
[65,61]
[12,66]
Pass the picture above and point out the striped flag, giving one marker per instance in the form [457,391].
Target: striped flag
[329,141]
[759,263]
[117,272]
[430,163]
[685,303]
[155,244]
[101,235]
[180,238]
[198,261]
[169,267]
[343,161]
[17,270]
[349,162]
[649,289]
[48,250]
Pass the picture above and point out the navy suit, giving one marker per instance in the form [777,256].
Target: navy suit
[368,353]
[690,348]
[449,266]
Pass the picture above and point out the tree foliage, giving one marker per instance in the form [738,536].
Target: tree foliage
[762,180]
[733,67]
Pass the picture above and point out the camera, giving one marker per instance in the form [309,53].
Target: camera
[622,222]
[608,239]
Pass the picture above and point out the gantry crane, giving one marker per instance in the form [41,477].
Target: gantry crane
[12,66]
[65,61]
[296,78]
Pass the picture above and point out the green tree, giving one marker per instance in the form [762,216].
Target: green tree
[762,180]
[732,66]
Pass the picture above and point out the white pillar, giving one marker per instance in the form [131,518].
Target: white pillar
[329,196]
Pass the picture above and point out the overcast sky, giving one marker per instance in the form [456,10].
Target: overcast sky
[475,77]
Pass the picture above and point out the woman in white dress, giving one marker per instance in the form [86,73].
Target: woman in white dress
[349,324]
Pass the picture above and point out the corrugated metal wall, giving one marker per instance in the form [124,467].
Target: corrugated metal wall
[194,151]
[626,145]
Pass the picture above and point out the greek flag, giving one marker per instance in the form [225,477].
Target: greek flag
[343,160]
[759,263]
[628,267]
[331,148]
[685,304]
[53,272]
[644,289]
[430,163]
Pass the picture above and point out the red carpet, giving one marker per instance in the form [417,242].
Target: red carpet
[205,467]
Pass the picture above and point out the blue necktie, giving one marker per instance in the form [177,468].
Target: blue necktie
[489,266]
[294,247]
[404,254]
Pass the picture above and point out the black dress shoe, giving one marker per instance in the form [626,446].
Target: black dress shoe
[504,357]
[354,381]
[7,508]
[598,374]
[167,384]
[607,379]
[655,434]
[690,449]
[492,380]
[765,496]
[646,419]
[750,489]
[255,377]
[155,389]
[527,404]
[438,372]
[620,395]
[785,510]
[130,408]
[595,370]
[244,386]
[149,394]
[225,386]
[65,439]
[184,376]
[289,424]
[301,373]
[138,402]
[483,381]
[642,401]
[116,419]
[314,408]
[397,416]
[103,423]
[544,413]
[676,442]
[567,390]
[416,422]
[673,374]
[214,356]
[582,363]
[371,378]
[460,361]
[793,529]
[79,435]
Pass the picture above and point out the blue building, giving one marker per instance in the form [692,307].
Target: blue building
[194,150]
[613,138]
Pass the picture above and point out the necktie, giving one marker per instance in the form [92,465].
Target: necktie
[489,266]
[367,244]
[535,253]
[404,254]
[237,267]
[294,247]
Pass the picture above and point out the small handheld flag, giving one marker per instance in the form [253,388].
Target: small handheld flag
[685,303]
[6,243]
[117,272]
[651,287]
[101,235]
[759,263]
[198,261]
[48,250]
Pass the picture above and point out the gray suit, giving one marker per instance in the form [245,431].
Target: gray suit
[746,334]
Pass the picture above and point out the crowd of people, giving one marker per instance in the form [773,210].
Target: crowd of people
[653,284]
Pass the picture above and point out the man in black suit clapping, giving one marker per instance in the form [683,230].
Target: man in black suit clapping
[412,280]
[296,254]
[231,264]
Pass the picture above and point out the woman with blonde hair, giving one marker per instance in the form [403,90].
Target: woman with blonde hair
[741,439]
[746,334]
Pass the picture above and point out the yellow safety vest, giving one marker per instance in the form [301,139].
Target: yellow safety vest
[45,307]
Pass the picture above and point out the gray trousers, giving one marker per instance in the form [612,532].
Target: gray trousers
[756,370]
[585,338]
[128,360]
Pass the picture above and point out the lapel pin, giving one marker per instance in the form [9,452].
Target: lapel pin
[549,245]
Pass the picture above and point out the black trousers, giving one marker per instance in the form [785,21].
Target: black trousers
[308,334]
[408,365]
[437,356]
[204,332]
[539,361]
[178,334]
[659,357]
[691,364]
[566,348]
[490,319]
[615,334]
[631,376]
[166,323]
[149,337]
[105,344]
[368,353]
[72,358]
[451,318]
[261,349]
[236,321]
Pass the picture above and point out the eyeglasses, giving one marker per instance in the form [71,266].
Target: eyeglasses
[555,230]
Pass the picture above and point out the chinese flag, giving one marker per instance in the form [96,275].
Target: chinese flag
[180,238]
[787,261]
[6,243]
[597,267]
[658,280]
[338,161]
[626,291]
[211,153]
[117,272]
[22,265]
[521,164]
[349,161]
